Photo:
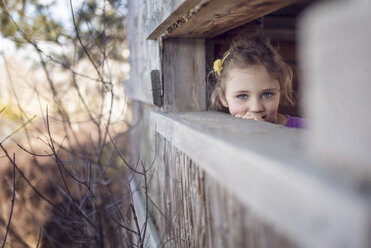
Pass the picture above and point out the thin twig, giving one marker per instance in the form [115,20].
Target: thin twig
[118,208]
[12,206]
[59,163]
[33,153]
[121,156]
[121,225]
[17,130]
[82,45]
[14,234]
[145,224]
[38,240]
[27,181]
[136,223]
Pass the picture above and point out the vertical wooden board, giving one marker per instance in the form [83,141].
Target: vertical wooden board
[200,212]
[144,54]
[184,75]
[141,137]
[336,59]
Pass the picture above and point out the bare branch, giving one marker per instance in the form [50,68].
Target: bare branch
[14,234]
[17,130]
[145,224]
[59,162]
[12,206]
[27,181]
[139,236]
[82,45]
[121,225]
[86,185]
[121,156]
[38,240]
[35,154]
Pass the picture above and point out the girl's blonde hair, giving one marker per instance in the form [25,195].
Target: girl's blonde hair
[247,52]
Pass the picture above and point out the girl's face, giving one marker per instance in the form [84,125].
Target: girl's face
[251,93]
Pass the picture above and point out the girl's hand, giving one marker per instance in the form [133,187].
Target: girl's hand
[249,116]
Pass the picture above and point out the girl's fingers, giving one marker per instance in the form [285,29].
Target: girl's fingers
[249,116]
[258,118]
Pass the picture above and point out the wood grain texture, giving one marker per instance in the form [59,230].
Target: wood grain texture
[265,167]
[335,54]
[184,75]
[144,54]
[198,211]
[206,19]
[160,11]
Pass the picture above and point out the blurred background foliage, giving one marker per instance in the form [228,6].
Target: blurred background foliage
[65,62]
[78,43]
[10,112]
[30,16]
[34,20]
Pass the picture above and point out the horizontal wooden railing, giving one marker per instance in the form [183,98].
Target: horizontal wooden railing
[263,169]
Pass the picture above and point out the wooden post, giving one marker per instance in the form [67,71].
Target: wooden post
[184,75]
[336,62]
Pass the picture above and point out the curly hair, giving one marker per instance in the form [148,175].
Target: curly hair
[251,51]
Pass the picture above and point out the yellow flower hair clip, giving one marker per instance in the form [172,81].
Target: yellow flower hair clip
[218,64]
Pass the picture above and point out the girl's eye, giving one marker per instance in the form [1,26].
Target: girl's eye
[242,97]
[267,94]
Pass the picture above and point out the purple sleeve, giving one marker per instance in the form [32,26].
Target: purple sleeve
[295,122]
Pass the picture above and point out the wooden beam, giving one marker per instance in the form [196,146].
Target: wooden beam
[165,13]
[209,18]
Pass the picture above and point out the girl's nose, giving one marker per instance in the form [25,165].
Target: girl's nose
[256,106]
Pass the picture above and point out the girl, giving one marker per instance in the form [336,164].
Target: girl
[251,81]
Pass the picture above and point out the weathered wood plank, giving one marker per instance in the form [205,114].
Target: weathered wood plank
[144,57]
[209,18]
[336,61]
[199,211]
[151,236]
[264,166]
[160,10]
[184,75]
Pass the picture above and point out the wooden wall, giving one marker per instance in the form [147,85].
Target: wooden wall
[290,187]
[196,211]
